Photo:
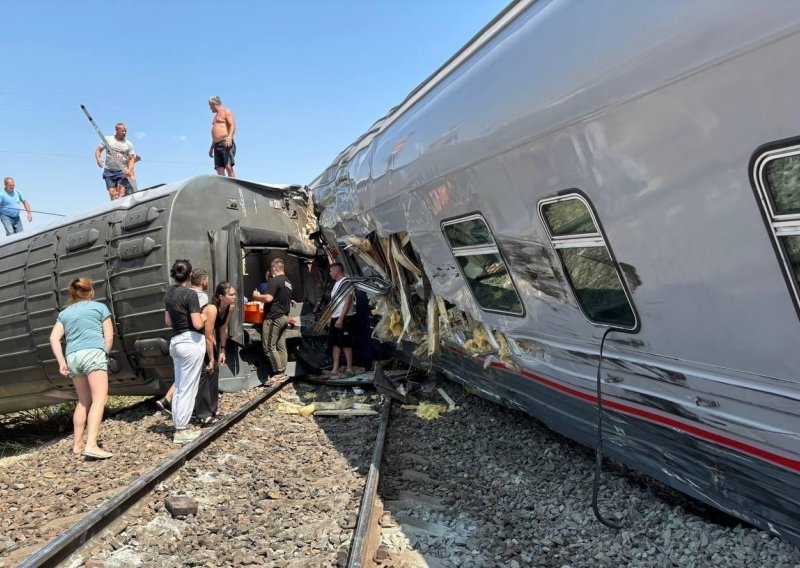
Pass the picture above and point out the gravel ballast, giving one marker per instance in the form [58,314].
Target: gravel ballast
[488,486]
[480,486]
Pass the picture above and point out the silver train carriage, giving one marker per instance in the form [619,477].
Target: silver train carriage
[580,167]
[231,228]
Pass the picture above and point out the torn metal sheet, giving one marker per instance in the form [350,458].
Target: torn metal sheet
[387,387]
[691,399]
[369,284]
[364,250]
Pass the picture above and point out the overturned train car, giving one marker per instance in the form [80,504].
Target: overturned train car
[230,228]
[567,178]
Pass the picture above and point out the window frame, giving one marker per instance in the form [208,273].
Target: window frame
[778,224]
[474,250]
[586,240]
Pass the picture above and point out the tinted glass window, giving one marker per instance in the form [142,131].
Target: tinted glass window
[783,182]
[792,245]
[568,217]
[483,266]
[473,232]
[490,282]
[597,285]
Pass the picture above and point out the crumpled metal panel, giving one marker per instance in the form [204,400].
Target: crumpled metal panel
[657,129]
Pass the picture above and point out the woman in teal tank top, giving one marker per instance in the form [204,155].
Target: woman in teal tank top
[90,335]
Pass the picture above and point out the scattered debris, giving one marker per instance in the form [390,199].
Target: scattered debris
[451,405]
[427,410]
[342,404]
[364,250]
[289,408]
[358,405]
[388,386]
[181,506]
[479,344]
[391,325]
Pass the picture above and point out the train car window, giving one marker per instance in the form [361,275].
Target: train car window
[482,265]
[568,217]
[776,177]
[473,232]
[595,277]
[782,177]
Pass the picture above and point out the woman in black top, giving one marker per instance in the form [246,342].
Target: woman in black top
[218,316]
[187,347]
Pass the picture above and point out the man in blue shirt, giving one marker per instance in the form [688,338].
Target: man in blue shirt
[11,203]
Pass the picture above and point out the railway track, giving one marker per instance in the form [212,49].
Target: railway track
[95,538]
[481,486]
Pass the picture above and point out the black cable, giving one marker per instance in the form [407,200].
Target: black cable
[598,463]
[34,211]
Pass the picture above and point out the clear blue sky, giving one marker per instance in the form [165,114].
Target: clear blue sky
[304,79]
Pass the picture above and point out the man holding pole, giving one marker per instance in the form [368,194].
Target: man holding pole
[118,166]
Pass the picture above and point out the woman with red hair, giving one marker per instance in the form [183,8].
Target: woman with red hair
[90,335]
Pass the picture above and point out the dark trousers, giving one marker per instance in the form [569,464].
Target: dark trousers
[273,340]
[206,403]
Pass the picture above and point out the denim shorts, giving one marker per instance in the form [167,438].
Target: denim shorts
[84,361]
[113,178]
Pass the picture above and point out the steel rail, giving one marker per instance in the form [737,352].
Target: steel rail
[62,546]
[359,549]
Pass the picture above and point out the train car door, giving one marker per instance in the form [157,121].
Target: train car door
[83,252]
[226,257]
[28,310]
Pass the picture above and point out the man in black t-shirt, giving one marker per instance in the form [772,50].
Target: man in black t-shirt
[277,300]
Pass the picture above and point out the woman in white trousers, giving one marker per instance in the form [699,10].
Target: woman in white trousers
[187,347]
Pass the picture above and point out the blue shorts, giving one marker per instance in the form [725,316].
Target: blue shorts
[114,178]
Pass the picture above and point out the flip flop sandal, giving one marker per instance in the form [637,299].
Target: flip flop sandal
[97,454]
[208,422]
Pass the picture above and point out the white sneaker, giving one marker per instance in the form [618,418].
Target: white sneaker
[185,436]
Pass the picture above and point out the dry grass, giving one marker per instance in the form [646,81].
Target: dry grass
[23,431]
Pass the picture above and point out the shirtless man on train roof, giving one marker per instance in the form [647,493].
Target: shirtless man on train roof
[223,148]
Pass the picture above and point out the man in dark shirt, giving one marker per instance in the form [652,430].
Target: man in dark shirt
[277,299]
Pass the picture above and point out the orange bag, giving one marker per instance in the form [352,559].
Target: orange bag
[253,313]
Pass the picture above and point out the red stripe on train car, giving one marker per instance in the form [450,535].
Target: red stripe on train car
[743,447]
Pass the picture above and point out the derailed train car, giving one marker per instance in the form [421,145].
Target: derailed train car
[231,228]
[598,190]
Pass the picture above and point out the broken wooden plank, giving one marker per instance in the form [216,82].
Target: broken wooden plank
[346,412]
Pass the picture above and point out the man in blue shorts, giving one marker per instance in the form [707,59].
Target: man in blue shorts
[119,161]
[11,203]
